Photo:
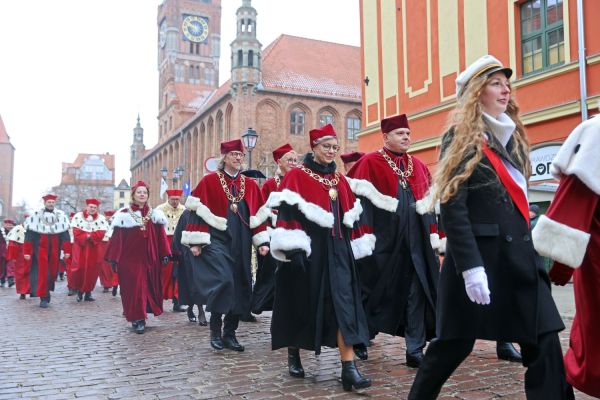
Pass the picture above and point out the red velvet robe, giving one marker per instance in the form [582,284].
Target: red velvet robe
[87,251]
[15,239]
[138,257]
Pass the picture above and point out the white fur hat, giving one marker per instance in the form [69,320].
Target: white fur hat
[483,66]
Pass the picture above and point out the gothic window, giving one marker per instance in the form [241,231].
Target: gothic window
[352,127]
[297,122]
[250,58]
[240,58]
[325,118]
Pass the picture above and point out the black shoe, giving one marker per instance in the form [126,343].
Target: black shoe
[216,342]
[105,290]
[506,351]
[44,303]
[11,282]
[231,343]
[140,327]
[88,297]
[134,324]
[71,292]
[294,363]
[22,297]
[361,351]
[79,296]
[191,315]
[114,291]
[351,377]
[2,284]
[61,276]
[178,308]
[248,318]
[414,360]
[201,317]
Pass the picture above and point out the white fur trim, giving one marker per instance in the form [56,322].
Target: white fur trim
[89,225]
[442,248]
[362,187]
[189,238]
[434,238]
[261,216]
[363,246]
[47,223]
[124,220]
[16,234]
[425,205]
[352,215]
[288,239]
[579,155]
[260,238]
[194,204]
[311,211]
[159,217]
[560,242]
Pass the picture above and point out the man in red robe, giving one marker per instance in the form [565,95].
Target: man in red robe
[47,234]
[569,233]
[15,239]
[228,219]
[349,159]
[89,229]
[172,210]
[108,278]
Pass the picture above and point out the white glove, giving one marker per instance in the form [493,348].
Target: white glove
[476,285]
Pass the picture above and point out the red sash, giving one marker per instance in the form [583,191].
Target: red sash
[514,190]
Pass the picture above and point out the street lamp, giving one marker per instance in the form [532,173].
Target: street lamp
[177,174]
[249,138]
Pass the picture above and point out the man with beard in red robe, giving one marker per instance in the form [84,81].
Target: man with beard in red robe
[138,249]
[47,234]
[228,219]
[172,210]
[89,229]
[16,238]
[570,234]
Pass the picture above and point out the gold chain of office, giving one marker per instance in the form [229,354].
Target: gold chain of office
[234,199]
[141,221]
[402,174]
[333,193]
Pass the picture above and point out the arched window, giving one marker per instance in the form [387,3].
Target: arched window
[352,127]
[325,118]
[240,58]
[297,122]
[250,58]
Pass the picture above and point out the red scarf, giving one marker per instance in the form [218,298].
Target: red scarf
[144,210]
[514,190]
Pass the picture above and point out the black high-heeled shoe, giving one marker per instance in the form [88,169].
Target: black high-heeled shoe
[294,364]
[352,378]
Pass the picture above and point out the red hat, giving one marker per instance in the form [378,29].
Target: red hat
[281,151]
[9,221]
[175,192]
[49,196]
[350,157]
[109,213]
[232,145]
[139,184]
[71,215]
[395,122]
[92,201]
[325,132]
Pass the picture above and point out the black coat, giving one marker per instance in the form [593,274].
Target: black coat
[185,271]
[484,228]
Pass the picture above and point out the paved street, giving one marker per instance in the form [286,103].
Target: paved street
[87,350]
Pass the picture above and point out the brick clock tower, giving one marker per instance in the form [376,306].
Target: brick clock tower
[189,39]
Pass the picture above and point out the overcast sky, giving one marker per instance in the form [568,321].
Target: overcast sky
[74,74]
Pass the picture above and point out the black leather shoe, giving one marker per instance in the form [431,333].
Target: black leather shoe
[506,351]
[360,350]
[352,378]
[22,297]
[202,318]
[216,342]
[414,360]
[248,318]
[178,308]
[134,324]
[294,363]
[105,290]
[231,343]
[140,327]
[44,303]
[79,296]
[11,282]
[71,292]
[114,291]
[88,297]
[191,315]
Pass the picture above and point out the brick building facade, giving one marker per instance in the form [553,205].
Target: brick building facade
[283,91]
[7,166]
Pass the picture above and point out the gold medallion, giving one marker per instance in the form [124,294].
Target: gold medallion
[234,207]
[333,194]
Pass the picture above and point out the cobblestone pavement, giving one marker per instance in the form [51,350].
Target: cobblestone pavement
[87,350]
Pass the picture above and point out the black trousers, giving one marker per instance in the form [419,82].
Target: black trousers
[544,379]
[231,324]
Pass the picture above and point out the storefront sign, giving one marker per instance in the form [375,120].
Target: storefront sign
[541,158]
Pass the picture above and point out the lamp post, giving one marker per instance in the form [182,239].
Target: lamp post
[249,139]
[177,174]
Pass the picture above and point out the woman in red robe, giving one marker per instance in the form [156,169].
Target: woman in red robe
[15,239]
[138,249]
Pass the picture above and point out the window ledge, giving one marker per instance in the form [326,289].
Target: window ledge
[545,74]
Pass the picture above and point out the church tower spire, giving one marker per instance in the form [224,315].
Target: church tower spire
[246,57]
[137,148]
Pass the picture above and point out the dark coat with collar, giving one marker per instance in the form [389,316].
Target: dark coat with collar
[484,228]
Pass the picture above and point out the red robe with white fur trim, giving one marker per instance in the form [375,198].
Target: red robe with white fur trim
[210,203]
[570,234]
[88,252]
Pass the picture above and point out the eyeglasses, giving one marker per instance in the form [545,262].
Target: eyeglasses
[331,147]
[236,154]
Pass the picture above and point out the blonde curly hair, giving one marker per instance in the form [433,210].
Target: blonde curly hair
[465,151]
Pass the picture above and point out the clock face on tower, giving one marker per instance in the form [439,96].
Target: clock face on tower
[195,28]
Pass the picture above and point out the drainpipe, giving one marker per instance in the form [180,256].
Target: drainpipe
[582,63]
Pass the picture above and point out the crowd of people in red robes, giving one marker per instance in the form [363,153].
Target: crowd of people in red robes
[342,257]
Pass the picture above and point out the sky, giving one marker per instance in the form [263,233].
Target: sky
[74,74]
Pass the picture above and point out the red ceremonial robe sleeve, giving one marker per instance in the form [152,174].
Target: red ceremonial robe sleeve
[115,246]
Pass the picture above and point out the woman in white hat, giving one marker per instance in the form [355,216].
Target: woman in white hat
[490,285]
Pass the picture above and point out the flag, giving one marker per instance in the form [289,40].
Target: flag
[163,187]
[186,188]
